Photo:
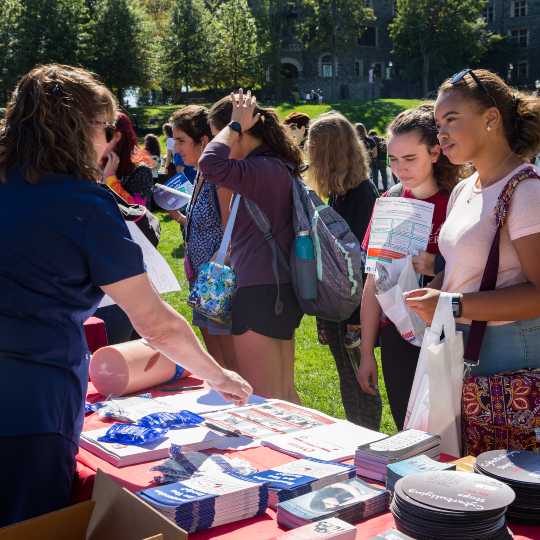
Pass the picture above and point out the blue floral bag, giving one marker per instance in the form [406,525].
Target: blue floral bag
[214,288]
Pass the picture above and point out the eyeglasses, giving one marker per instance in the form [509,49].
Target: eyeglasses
[108,127]
[458,77]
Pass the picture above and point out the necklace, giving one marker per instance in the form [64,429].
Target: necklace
[473,193]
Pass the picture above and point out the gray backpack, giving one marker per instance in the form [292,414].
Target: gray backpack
[338,257]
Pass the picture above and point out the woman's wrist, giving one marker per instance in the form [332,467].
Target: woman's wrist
[216,375]
[366,353]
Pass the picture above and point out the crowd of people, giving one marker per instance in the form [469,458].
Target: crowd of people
[65,146]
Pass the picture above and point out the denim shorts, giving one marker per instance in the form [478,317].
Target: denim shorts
[214,328]
[507,347]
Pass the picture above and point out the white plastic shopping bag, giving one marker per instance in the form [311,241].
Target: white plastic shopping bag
[435,400]
[409,324]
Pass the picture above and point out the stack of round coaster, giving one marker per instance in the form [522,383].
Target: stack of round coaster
[450,505]
[520,470]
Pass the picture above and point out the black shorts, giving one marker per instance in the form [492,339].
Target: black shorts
[253,308]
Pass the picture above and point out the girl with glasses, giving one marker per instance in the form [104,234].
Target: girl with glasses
[65,246]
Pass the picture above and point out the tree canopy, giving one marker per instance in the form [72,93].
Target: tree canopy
[432,39]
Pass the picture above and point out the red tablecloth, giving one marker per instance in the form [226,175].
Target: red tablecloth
[96,333]
[264,527]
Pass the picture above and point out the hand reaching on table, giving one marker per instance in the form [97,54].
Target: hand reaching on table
[232,387]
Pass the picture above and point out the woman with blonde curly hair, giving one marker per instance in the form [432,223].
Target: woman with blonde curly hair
[339,170]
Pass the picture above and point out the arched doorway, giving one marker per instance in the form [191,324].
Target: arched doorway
[289,71]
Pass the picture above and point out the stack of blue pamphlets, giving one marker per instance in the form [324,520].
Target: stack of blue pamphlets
[301,476]
[202,502]
[416,464]
[352,501]
[371,459]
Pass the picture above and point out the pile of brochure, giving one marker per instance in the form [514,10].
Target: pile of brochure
[181,466]
[371,459]
[335,442]
[202,502]
[325,529]
[351,500]
[416,464]
[301,476]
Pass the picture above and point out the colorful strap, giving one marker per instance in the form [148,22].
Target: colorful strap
[227,234]
[489,278]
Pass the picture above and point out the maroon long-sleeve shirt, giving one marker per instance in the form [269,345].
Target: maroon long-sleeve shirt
[263,178]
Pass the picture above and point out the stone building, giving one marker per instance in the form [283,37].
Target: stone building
[365,70]
[359,71]
[520,21]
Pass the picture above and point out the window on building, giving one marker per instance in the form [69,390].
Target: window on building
[327,66]
[518,8]
[358,68]
[368,3]
[368,37]
[394,7]
[378,70]
[520,37]
[523,70]
[489,12]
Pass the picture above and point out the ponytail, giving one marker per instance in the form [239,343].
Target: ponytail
[525,140]
[268,129]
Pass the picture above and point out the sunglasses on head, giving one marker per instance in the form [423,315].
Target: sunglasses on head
[108,128]
[458,77]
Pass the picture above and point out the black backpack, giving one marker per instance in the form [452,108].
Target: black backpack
[141,216]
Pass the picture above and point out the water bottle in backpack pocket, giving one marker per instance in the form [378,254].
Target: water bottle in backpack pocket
[306,269]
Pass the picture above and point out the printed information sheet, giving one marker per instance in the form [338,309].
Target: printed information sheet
[158,270]
[400,226]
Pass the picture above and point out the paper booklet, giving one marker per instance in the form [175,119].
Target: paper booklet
[335,442]
[191,440]
[131,409]
[301,476]
[399,227]
[157,268]
[325,529]
[371,459]
[351,500]
[181,466]
[402,445]
[202,502]
[416,464]
[274,417]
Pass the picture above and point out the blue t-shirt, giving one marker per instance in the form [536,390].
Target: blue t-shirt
[61,240]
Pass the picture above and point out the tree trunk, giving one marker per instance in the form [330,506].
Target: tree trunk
[120,96]
[425,74]
[334,62]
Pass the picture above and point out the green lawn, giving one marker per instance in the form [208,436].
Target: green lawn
[375,114]
[315,374]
